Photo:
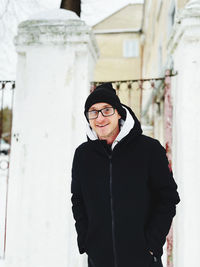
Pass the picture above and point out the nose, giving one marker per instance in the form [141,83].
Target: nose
[100,117]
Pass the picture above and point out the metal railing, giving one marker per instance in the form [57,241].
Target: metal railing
[6,106]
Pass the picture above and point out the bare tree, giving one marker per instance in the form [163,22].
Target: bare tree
[73,5]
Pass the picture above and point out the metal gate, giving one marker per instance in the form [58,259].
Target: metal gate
[6,105]
[131,92]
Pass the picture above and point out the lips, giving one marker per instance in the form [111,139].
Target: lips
[101,126]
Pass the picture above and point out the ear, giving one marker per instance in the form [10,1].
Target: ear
[119,116]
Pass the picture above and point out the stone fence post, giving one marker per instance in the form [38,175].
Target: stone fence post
[56,57]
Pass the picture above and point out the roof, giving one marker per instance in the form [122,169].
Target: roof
[139,2]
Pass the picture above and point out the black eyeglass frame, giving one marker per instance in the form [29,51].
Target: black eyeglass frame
[100,110]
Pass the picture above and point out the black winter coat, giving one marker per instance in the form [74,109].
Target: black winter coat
[123,201]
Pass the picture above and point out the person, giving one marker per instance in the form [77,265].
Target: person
[123,192]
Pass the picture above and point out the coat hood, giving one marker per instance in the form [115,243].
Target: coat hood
[130,127]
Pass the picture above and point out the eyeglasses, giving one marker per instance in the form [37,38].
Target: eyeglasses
[106,112]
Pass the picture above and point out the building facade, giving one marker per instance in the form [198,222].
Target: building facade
[171,49]
[118,39]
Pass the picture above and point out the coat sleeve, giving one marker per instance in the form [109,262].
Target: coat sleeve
[78,207]
[164,191]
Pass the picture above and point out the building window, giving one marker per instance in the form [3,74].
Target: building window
[130,48]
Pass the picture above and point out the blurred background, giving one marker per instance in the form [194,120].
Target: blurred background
[52,54]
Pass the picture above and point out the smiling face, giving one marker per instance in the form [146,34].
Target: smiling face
[106,128]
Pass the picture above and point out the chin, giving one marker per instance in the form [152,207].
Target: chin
[103,135]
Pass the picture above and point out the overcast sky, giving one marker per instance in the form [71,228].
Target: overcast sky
[93,10]
[12,12]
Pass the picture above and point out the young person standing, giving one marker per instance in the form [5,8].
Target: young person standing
[123,193]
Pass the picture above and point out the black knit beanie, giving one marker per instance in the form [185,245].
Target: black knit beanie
[105,93]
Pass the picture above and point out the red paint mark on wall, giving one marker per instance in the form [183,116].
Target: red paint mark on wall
[168,118]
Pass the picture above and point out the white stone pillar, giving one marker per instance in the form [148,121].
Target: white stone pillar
[185,49]
[56,56]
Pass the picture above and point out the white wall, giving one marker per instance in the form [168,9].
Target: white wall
[56,56]
[185,48]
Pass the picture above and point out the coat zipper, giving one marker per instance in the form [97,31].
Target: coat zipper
[112,215]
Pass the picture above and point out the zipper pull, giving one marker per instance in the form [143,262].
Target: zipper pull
[155,259]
